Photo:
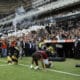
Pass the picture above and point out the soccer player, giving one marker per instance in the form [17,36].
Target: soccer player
[40,56]
[13,53]
[13,58]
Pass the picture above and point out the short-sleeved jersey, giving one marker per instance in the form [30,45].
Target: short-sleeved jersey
[38,54]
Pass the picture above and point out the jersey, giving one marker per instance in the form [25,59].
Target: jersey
[37,55]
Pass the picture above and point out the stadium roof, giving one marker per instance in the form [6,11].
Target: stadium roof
[8,6]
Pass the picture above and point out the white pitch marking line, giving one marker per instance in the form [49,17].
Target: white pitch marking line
[56,71]
[4,65]
[23,65]
[51,70]
[63,72]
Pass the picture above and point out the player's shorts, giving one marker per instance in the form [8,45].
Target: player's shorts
[45,61]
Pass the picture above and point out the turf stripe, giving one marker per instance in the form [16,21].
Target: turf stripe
[72,74]
[23,65]
[4,65]
[3,61]
[62,72]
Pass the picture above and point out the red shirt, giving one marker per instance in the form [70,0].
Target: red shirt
[4,45]
[41,53]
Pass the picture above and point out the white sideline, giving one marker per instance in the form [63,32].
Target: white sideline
[57,71]
[4,65]
[72,74]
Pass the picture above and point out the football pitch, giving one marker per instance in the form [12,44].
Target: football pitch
[60,71]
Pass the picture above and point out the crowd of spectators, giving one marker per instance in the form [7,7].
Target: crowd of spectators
[29,43]
[60,31]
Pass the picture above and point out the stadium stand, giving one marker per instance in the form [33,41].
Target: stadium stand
[58,23]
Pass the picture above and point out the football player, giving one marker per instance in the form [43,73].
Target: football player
[40,56]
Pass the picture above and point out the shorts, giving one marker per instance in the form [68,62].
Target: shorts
[45,61]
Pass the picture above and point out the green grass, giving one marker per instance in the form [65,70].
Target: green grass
[18,72]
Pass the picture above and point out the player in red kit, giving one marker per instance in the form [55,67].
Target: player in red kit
[40,56]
